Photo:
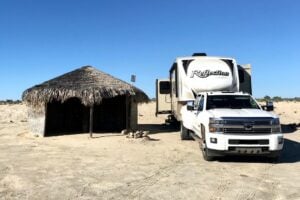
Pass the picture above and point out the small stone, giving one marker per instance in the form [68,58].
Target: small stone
[139,134]
[131,134]
[145,133]
[124,132]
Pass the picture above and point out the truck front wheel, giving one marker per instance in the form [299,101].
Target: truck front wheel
[203,146]
[184,132]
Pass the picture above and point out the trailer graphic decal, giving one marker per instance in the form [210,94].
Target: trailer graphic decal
[207,73]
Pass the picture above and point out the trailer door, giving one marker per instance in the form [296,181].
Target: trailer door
[163,96]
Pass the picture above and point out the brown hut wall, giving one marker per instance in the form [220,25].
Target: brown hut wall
[36,120]
[112,115]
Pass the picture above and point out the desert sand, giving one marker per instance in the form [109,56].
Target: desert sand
[111,166]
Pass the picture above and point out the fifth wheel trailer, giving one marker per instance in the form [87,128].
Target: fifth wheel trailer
[211,98]
[173,92]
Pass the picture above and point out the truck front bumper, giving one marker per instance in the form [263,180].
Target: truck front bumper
[215,153]
[222,144]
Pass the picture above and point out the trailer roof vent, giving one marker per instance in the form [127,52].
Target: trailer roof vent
[199,54]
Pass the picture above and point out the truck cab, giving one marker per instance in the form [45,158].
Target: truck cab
[231,123]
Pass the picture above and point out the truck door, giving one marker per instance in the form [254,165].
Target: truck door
[163,96]
[199,106]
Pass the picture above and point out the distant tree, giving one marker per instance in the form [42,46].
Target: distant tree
[277,98]
[9,101]
[267,98]
[18,101]
[297,98]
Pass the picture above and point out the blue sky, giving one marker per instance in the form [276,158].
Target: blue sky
[42,39]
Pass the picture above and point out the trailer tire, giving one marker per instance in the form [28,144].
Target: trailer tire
[204,149]
[184,132]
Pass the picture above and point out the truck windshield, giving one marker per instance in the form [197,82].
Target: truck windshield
[231,101]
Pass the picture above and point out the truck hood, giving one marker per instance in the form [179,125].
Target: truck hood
[218,113]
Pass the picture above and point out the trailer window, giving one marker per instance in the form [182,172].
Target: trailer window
[241,75]
[164,87]
[231,101]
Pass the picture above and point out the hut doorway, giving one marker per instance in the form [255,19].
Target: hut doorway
[68,117]
[110,115]
[72,116]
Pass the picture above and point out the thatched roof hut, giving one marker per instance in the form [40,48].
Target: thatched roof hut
[86,90]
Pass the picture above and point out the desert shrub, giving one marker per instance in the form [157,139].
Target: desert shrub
[9,101]
[267,98]
[277,98]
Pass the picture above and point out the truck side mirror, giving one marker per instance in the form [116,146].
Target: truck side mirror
[269,106]
[190,107]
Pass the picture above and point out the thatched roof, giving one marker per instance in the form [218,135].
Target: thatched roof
[86,83]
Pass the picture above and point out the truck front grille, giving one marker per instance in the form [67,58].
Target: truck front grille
[247,125]
[243,130]
[261,142]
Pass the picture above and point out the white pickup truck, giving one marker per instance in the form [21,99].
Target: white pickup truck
[231,123]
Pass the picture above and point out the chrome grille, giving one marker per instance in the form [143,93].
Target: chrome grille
[242,130]
[251,125]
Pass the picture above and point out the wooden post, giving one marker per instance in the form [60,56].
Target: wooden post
[127,112]
[91,120]
[45,120]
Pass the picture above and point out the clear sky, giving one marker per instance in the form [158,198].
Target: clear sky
[41,39]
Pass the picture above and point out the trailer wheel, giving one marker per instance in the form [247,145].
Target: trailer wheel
[184,132]
[203,147]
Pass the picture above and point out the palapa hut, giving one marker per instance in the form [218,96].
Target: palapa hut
[83,100]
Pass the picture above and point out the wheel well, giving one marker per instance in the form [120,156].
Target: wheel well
[203,132]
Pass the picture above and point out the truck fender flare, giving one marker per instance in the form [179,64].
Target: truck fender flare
[187,125]
[203,133]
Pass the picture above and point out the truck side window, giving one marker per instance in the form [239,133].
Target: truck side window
[196,103]
[201,104]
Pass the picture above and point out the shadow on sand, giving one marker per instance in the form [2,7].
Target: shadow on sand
[157,128]
[289,128]
[95,134]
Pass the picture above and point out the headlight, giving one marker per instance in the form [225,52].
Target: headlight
[216,121]
[216,125]
[276,125]
[275,121]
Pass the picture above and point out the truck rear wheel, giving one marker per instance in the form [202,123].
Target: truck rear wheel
[205,151]
[184,132]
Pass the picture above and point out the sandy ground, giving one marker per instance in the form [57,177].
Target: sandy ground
[111,166]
